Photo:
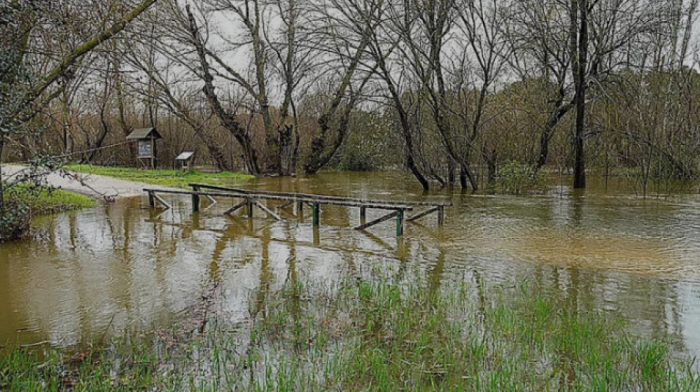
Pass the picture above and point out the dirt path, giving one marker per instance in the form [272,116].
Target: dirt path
[99,187]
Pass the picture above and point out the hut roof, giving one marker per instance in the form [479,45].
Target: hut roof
[144,133]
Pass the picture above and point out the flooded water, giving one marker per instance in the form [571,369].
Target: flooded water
[125,267]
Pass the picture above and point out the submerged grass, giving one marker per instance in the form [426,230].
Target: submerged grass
[171,178]
[375,333]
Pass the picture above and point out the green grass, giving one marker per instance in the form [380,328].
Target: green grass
[43,201]
[378,332]
[171,178]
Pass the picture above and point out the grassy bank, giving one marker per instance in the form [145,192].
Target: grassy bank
[44,201]
[22,201]
[171,178]
[378,333]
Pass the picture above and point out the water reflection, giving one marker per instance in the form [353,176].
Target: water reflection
[122,267]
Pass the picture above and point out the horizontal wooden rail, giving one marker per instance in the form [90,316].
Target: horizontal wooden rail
[348,203]
[322,198]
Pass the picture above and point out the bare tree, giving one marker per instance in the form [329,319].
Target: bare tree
[23,23]
[341,39]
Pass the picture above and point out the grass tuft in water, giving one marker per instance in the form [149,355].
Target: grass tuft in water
[377,333]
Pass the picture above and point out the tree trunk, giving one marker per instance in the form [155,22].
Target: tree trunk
[548,131]
[579,159]
[411,163]
[227,120]
[286,149]
[105,127]
[121,108]
[321,153]
[490,157]
[492,170]
[99,142]
[317,158]
[2,186]
[216,154]
[450,172]
[466,177]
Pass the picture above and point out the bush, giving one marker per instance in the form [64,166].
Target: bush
[22,201]
[14,217]
[518,179]
[354,160]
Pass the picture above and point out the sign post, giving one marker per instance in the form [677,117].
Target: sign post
[146,138]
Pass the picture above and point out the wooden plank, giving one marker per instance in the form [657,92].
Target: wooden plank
[151,200]
[267,210]
[423,214]
[236,208]
[321,197]
[211,199]
[441,216]
[161,201]
[285,205]
[377,221]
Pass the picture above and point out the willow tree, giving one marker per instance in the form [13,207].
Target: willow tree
[340,38]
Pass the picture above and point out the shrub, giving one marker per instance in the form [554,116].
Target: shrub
[514,178]
[354,160]
[15,215]
[24,200]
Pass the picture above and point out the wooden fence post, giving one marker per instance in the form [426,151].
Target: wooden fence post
[195,202]
[151,200]
[399,222]
[316,215]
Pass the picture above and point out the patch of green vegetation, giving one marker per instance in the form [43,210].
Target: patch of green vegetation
[519,179]
[22,201]
[378,332]
[43,201]
[170,178]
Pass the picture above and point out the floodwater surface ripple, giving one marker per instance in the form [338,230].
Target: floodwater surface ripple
[124,267]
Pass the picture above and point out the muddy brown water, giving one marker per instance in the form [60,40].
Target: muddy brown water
[123,267]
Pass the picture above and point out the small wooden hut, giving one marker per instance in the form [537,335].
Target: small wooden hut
[186,160]
[147,151]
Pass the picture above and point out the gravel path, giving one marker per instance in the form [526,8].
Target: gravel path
[99,187]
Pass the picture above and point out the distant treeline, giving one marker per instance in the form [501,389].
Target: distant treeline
[450,90]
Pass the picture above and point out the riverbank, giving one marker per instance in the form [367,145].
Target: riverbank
[45,201]
[94,186]
[23,201]
[167,178]
[383,331]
